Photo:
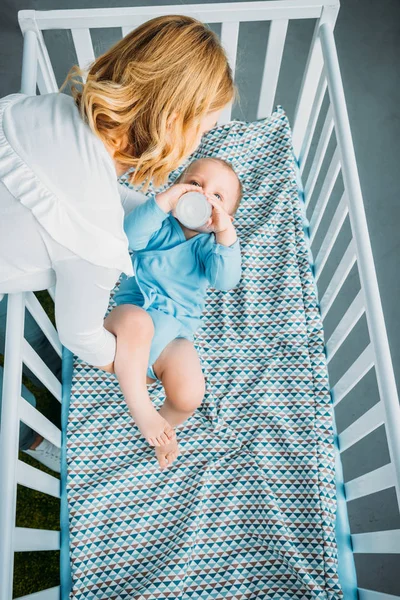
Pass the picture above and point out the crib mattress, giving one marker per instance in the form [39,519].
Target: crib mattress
[248,509]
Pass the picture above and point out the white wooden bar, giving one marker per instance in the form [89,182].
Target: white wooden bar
[29,64]
[213,13]
[272,66]
[312,123]
[49,594]
[41,370]
[374,313]
[83,47]
[38,422]
[9,437]
[229,40]
[132,26]
[37,480]
[308,92]
[311,77]
[319,156]
[377,542]
[348,321]
[325,194]
[32,540]
[368,422]
[41,318]
[370,483]
[331,235]
[353,375]
[339,277]
[47,83]
[364,594]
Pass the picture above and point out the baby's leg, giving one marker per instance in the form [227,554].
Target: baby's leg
[178,368]
[134,330]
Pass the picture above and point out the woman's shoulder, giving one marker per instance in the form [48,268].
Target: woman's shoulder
[57,167]
[22,103]
[49,134]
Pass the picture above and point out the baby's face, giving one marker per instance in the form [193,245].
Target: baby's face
[215,179]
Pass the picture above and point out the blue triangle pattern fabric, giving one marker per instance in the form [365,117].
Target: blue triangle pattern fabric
[248,508]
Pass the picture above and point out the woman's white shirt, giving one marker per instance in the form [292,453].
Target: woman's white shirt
[61,217]
[53,163]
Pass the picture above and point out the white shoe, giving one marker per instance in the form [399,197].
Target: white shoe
[48,454]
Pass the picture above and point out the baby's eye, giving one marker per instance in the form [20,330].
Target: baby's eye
[195,183]
[218,196]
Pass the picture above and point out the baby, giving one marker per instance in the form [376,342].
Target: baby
[159,309]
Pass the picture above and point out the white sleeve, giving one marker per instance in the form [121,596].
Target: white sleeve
[130,199]
[81,300]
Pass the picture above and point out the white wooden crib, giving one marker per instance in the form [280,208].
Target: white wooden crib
[323,147]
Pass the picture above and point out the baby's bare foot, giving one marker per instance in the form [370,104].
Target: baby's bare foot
[167,454]
[154,428]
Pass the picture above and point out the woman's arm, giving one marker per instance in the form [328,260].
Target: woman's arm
[130,199]
[82,296]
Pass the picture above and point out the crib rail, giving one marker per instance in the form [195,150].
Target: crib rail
[15,408]
[358,251]
[313,135]
[323,64]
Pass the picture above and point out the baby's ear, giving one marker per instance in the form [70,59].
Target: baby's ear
[231,218]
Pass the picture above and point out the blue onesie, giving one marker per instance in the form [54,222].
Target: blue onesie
[172,274]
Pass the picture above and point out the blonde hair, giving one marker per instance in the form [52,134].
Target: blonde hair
[147,95]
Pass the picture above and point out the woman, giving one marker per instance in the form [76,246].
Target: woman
[145,105]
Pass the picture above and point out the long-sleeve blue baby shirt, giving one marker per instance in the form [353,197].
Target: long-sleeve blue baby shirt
[172,274]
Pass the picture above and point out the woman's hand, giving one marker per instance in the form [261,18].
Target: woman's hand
[168,200]
[221,223]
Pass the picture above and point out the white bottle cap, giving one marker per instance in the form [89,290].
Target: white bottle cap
[193,210]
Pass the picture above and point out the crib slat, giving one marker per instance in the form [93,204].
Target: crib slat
[331,235]
[38,422]
[272,66]
[229,40]
[133,25]
[353,375]
[9,436]
[372,482]
[29,64]
[319,156]
[312,123]
[41,370]
[84,47]
[49,594]
[126,30]
[348,321]
[368,422]
[325,193]
[307,92]
[364,594]
[339,277]
[46,79]
[32,540]
[377,542]
[41,318]
[37,480]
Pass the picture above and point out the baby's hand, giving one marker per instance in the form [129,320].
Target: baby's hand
[221,223]
[168,200]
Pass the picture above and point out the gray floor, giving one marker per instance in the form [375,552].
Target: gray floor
[368,41]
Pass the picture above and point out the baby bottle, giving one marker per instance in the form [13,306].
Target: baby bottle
[193,210]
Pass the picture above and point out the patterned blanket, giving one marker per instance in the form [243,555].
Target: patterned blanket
[248,508]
